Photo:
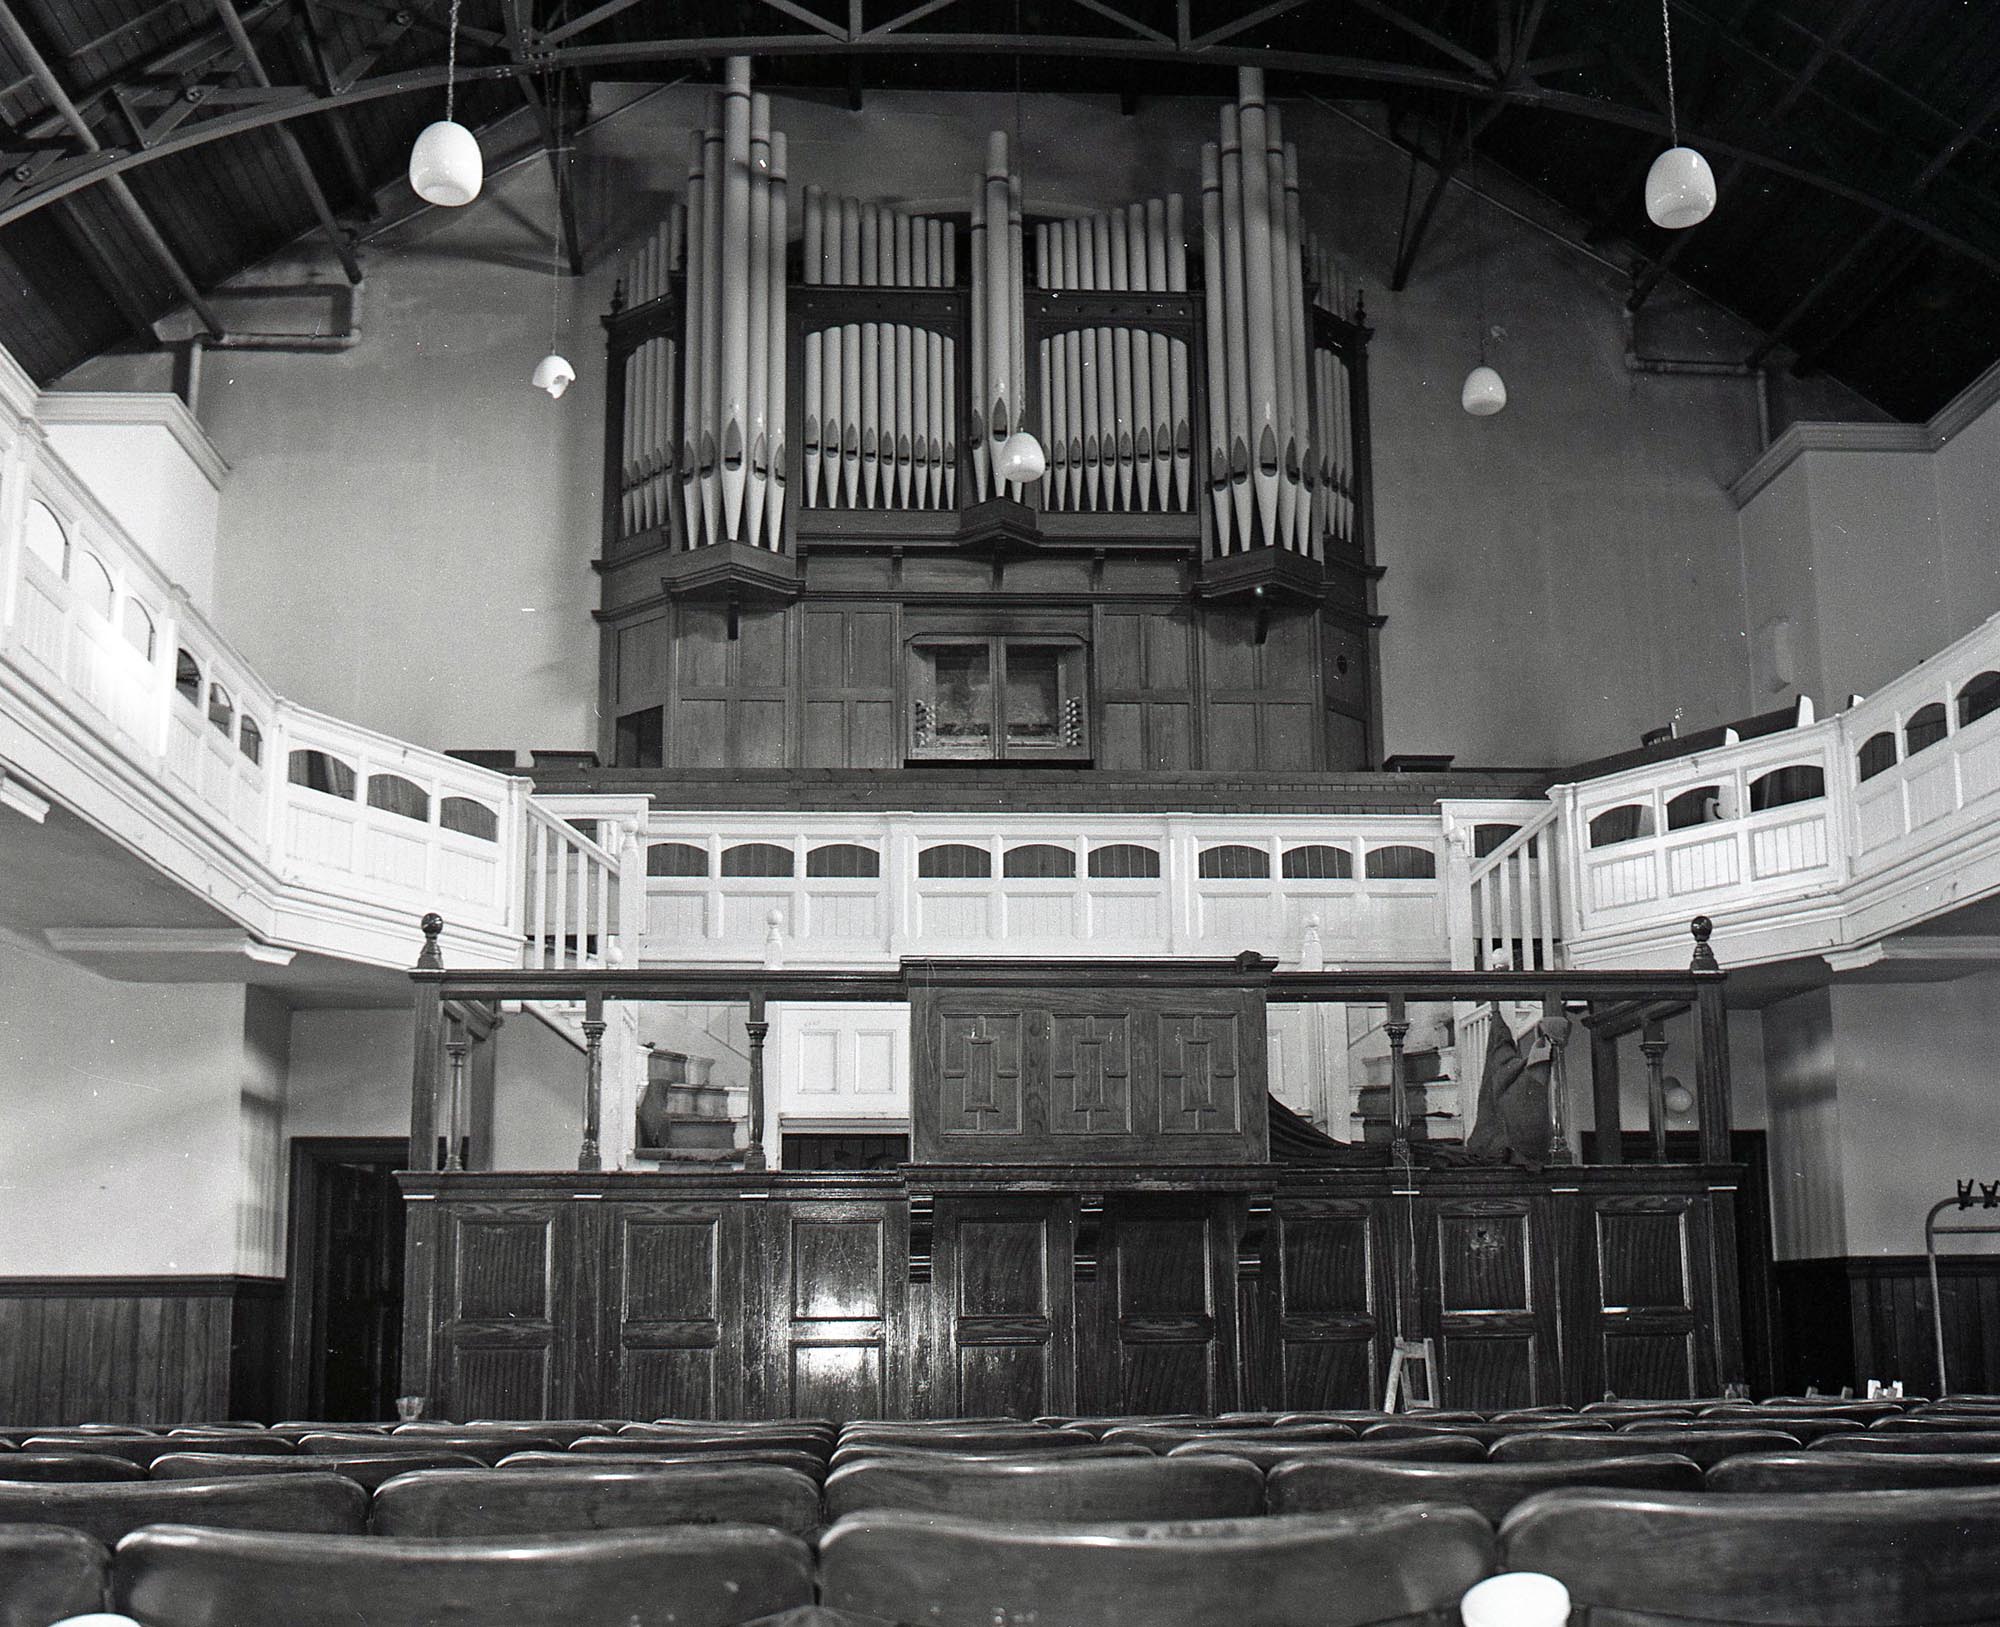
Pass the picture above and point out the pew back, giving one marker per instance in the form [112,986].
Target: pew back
[506,1502]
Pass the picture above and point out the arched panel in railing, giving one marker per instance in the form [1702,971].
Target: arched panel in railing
[1317,861]
[677,859]
[1400,861]
[1698,805]
[393,794]
[321,771]
[1977,696]
[1123,861]
[1038,861]
[1232,861]
[1926,726]
[1795,782]
[1876,756]
[757,859]
[954,861]
[1628,822]
[843,860]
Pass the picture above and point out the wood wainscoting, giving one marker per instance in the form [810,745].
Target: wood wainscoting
[1846,1320]
[139,1350]
[942,1291]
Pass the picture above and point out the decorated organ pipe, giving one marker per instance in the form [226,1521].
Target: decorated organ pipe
[1279,389]
[1116,393]
[1112,386]
[880,424]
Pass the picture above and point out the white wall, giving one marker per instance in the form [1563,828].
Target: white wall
[121,1121]
[160,485]
[1808,1169]
[1879,546]
[431,517]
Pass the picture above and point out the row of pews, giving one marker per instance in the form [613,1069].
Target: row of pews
[1799,1510]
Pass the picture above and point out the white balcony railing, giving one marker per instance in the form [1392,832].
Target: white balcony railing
[1813,840]
[119,698]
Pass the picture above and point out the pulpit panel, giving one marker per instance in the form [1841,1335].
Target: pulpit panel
[507,1335]
[1321,1269]
[673,1335]
[1003,1286]
[1088,1076]
[1651,1255]
[1170,1306]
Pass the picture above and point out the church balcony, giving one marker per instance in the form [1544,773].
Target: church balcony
[1840,838]
[293,836]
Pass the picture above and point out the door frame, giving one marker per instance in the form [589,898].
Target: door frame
[309,1157]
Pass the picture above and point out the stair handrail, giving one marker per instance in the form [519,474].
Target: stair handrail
[1547,817]
[597,861]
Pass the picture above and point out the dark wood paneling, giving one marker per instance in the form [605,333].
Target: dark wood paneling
[1845,1321]
[138,1350]
[1088,1076]
[671,1327]
[1099,1288]
[1173,1292]
[1004,1278]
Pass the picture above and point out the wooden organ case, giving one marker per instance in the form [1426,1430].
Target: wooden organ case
[813,557]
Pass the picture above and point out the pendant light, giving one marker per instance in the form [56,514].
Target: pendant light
[1022,461]
[1484,392]
[553,372]
[445,164]
[1680,187]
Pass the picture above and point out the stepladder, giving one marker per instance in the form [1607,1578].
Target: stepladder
[1412,1383]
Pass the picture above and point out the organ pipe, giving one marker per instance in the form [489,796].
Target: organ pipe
[705,407]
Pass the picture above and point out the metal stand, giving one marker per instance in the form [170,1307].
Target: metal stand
[1988,1198]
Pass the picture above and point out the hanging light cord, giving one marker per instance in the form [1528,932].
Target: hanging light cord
[1667,32]
[560,153]
[450,61]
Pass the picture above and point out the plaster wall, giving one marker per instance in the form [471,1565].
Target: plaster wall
[1967,471]
[122,1120]
[163,499]
[1918,1079]
[1559,577]
[1808,1168]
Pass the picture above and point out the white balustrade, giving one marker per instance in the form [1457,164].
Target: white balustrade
[124,702]
[862,889]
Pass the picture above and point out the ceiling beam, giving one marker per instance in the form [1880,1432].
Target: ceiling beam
[1940,161]
[1512,49]
[29,55]
[525,46]
[288,144]
[252,110]
[308,53]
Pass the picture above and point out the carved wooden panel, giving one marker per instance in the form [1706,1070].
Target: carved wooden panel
[979,1074]
[1171,1281]
[1090,1074]
[1490,1293]
[1651,1257]
[673,1306]
[507,1334]
[1323,1279]
[1200,1086]
[1134,1075]
[833,1280]
[1003,1285]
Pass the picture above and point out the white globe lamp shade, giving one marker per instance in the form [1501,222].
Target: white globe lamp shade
[1022,461]
[1680,189]
[1485,392]
[554,374]
[1515,1599]
[445,166]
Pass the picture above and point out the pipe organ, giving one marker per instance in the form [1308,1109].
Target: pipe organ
[795,380]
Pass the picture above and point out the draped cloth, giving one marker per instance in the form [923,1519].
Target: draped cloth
[1512,1123]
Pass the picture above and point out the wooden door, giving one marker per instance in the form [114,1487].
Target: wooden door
[345,1278]
[1488,1296]
[1326,1301]
[1003,1285]
[828,1300]
[672,1310]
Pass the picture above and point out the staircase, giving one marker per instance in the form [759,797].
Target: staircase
[683,1117]
[1434,1097]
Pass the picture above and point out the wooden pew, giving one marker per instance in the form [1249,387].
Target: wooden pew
[142,1449]
[711,1576]
[1853,1471]
[1342,1485]
[1266,1454]
[1163,1438]
[1806,1429]
[1704,1446]
[67,1468]
[776,1457]
[305,1502]
[1979,1442]
[1085,1490]
[1405,1565]
[647,1439]
[486,1448]
[1036,1443]
[1832,1559]
[48,1573]
[366,1472]
[509,1502]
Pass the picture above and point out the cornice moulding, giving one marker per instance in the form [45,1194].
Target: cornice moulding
[158,409]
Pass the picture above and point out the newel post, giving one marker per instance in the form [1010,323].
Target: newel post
[1712,1065]
[424,1072]
[758,1027]
[588,1157]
